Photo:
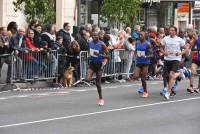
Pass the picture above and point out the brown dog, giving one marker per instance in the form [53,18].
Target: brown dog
[68,76]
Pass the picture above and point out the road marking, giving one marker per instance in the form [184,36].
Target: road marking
[95,113]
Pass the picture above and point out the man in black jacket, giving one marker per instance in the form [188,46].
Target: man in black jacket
[64,33]
[5,51]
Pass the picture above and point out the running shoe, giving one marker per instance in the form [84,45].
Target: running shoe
[141,91]
[149,77]
[173,93]
[166,95]
[196,90]
[145,95]
[163,91]
[101,102]
[190,90]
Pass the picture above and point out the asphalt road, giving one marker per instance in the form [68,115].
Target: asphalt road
[74,111]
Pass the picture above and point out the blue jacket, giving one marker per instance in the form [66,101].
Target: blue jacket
[14,43]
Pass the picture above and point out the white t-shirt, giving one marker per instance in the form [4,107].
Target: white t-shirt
[172,45]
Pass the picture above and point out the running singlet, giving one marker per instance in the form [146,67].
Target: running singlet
[196,51]
[141,50]
[95,48]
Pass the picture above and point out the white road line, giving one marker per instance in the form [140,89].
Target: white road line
[95,113]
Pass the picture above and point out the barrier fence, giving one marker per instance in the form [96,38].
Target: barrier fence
[120,63]
[33,66]
[43,65]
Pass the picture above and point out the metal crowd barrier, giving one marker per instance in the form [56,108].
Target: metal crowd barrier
[33,66]
[119,64]
[43,65]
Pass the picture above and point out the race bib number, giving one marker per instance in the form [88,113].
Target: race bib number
[92,52]
[140,53]
[172,53]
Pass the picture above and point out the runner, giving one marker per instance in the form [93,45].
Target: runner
[171,47]
[98,51]
[194,42]
[143,48]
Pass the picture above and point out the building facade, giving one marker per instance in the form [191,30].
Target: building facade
[66,11]
[80,12]
[8,14]
[196,15]
[168,12]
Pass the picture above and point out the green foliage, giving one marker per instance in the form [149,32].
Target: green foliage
[43,10]
[121,11]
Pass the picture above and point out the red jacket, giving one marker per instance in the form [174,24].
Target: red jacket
[31,46]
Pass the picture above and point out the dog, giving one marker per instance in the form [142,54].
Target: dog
[68,76]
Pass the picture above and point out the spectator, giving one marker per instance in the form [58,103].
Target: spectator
[65,33]
[101,35]
[166,30]
[79,34]
[84,40]
[73,52]
[48,36]
[135,34]
[95,28]
[128,32]
[6,51]
[33,23]
[161,33]
[62,60]
[32,64]
[88,28]
[129,46]
[182,33]
[37,37]
[18,41]
[12,28]
[18,44]
[113,38]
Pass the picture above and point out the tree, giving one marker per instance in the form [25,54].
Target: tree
[43,10]
[120,11]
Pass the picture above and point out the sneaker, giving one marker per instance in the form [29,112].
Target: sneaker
[101,102]
[173,93]
[166,95]
[145,95]
[196,90]
[163,91]
[182,76]
[150,77]
[107,82]
[141,91]
[190,90]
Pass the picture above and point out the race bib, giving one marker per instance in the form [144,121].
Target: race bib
[171,53]
[141,53]
[92,51]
